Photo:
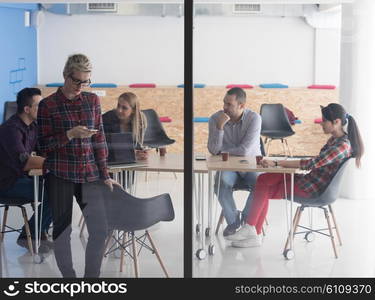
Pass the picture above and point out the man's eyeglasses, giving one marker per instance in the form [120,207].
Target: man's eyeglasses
[80,82]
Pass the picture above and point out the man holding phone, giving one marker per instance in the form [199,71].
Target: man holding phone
[71,136]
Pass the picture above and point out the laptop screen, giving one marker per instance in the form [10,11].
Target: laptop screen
[120,148]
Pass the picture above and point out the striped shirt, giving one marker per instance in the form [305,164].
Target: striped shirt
[324,166]
[240,138]
[78,160]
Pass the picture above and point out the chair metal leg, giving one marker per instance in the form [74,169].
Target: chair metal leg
[330,232]
[284,148]
[335,223]
[266,221]
[123,250]
[5,217]
[157,253]
[219,222]
[27,229]
[287,145]
[135,258]
[296,219]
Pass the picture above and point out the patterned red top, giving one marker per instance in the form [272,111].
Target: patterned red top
[77,160]
[323,166]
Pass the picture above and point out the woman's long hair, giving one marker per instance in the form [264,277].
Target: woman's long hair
[335,111]
[138,119]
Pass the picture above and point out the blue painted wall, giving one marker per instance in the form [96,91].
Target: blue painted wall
[18,52]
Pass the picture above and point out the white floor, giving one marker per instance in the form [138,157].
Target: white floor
[168,237]
[316,259]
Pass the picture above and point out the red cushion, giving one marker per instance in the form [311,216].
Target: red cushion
[322,86]
[142,85]
[243,86]
[318,120]
[165,119]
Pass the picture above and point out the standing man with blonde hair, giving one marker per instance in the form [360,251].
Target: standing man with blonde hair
[72,138]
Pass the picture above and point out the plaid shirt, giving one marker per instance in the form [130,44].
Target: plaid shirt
[323,166]
[77,160]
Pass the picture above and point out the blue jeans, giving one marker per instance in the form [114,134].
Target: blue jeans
[24,188]
[227,180]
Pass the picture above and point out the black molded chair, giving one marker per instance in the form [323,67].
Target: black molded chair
[10,108]
[155,136]
[15,202]
[241,186]
[275,125]
[127,213]
[324,201]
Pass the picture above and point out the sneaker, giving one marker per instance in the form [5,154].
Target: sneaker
[254,241]
[232,228]
[247,231]
[43,247]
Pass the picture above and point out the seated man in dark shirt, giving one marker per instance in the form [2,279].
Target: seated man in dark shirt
[18,137]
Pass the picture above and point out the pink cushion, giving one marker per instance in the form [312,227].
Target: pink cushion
[165,119]
[142,85]
[322,86]
[243,86]
[318,120]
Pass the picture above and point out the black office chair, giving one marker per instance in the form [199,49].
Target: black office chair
[275,125]
[15,202]
[324,201]
[127,213]
[155,136]
[10,108]
[241,186]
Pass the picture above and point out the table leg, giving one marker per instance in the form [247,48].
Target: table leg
[289,253]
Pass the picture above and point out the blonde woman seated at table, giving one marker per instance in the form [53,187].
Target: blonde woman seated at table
[127,117]
[343,143]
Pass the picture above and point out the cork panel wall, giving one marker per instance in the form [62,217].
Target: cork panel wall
[168,101]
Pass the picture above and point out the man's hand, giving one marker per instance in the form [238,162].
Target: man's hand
[110,183]
[265,163]
[141,154]
[80,132]
[222,120]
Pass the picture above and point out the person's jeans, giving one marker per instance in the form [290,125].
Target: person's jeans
[90,198]
[24,188]
[227,180]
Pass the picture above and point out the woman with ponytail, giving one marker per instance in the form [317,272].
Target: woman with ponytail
[127,117]
[344,142]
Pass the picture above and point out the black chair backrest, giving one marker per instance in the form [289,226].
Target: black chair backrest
[155,135]
[274,118]
[126,212]
[10,108]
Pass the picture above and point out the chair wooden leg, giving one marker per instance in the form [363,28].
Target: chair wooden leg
[330,232]
[284,148]
[123,250]
[297,217]
[82,228]
[335,223]
[157,253]
[219,222]
[266,221]
[27,229]
[109,238]
[5,217]
[268,146]
[80,221]
[135,258]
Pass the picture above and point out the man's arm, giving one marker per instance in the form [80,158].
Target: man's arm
[251,138]
[34,162]
[215,137]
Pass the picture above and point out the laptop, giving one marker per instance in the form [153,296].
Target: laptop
[120,148]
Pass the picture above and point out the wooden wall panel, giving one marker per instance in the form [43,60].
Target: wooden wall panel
[168,101]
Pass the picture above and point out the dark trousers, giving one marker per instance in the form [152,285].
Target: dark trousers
[90,198]
[24,188]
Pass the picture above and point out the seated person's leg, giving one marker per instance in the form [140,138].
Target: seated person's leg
[225,196]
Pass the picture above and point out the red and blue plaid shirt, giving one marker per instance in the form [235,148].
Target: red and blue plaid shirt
[323,166]
[77,160]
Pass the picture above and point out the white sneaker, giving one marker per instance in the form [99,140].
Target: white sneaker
[247,231]
[254,241]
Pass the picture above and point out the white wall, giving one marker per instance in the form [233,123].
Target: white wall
[126,50]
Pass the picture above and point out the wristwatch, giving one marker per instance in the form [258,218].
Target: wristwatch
[276,164]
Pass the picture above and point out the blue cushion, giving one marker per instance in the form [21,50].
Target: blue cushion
[201,119]
[196,85]
[103,85]
[297,121]
[54,84]
[273,86]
